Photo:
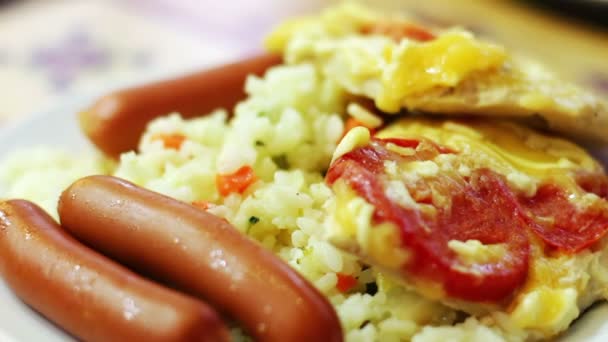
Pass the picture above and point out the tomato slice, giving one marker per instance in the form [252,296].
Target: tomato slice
[481,208]
[560,224]
[484,209]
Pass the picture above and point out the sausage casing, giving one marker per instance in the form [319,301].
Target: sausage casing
[115,122]
[200,254]
[88,295]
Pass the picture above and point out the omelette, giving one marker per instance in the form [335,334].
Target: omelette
[452,178]
[402,65]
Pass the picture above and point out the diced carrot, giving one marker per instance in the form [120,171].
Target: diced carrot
[352,123]
[202,204]
[345,282]
[237,182]
[171,140]
[417,33]
[398,30]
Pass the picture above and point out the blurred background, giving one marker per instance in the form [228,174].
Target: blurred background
[51,50]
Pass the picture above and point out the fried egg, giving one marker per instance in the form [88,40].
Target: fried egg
[404,66]
[486,217]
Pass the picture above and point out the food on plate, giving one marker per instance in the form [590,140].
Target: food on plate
[478,214]
[350,162]
[90,296]
[404,66]
[199,253]
[116,121]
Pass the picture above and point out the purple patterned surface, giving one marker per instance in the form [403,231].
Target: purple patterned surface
[78,52]
[236,23]
[63,60]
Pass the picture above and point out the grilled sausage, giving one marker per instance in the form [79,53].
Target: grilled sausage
[200,254]
[116,121]
[88,295]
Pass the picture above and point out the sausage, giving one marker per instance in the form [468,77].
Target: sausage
[88,295]
[115,122]
[199,253]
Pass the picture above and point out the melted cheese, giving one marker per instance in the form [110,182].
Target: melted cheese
[452,74]
[524,156]
[455,73]
[356,137]
[474,252]
[363,115]
[557,287]
[424,168]
[389,71]
[350,228]
[550,310]
[442,62]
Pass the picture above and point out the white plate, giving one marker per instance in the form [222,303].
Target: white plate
[54,128]
[58,127]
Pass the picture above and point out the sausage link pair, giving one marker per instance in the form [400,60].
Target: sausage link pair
[90,296]
[116,121]
[200,254]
